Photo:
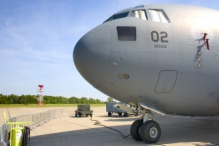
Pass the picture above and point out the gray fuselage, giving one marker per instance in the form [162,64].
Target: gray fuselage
[168,65]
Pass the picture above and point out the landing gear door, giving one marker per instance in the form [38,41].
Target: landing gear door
[166,81]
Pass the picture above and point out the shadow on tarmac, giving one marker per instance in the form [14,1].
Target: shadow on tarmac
[175,130]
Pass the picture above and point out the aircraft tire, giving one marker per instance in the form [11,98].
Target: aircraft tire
[125,114]
[109,114]
[150,132]
[120,114]
[134,130]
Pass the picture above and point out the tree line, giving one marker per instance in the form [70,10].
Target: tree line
[32,99]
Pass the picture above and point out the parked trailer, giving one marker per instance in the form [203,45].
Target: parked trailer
[121,108]
[112,108]
[83,110]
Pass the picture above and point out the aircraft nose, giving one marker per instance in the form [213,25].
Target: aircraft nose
[92,54]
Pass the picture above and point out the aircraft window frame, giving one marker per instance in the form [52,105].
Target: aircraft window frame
[126,33]
[117,16]
[158,15]
[140,14]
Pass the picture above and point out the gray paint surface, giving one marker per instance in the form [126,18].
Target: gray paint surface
[100,57]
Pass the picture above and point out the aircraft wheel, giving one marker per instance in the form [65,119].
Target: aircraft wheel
[150,132]
[134,130]
[120,114]
[109,114]
[125,114]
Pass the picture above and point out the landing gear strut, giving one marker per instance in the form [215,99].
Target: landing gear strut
[147,130]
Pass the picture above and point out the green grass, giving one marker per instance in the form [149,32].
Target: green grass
[46,105]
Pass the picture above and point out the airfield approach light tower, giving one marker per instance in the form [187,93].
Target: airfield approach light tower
[40,95]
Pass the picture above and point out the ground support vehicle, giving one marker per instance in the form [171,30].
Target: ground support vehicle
[83,110]
[120,108]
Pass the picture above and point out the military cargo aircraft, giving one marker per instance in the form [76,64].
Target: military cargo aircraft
[159,58]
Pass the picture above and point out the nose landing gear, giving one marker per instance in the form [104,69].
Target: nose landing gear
[135,130]
[144,129]
[150,131]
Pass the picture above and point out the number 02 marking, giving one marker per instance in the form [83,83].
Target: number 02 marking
[155,36]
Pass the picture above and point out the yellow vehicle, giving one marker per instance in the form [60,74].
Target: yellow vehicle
[19,134]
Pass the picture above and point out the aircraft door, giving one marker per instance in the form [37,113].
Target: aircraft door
[166,81]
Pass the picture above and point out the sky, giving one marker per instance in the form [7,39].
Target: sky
[37,38]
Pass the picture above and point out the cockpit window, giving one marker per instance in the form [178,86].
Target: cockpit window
[140,14]
[117,16]
[158,15]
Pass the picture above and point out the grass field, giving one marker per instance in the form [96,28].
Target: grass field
[46,105]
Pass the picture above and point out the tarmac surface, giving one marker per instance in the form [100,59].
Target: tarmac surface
[70,130]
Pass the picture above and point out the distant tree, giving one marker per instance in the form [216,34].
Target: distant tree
[92,101]
[73,100]
[109,99]
[32,99]
[3,99]
[84,100]
[98,101]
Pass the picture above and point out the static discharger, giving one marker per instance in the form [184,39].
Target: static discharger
[206,40]
[207,44]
